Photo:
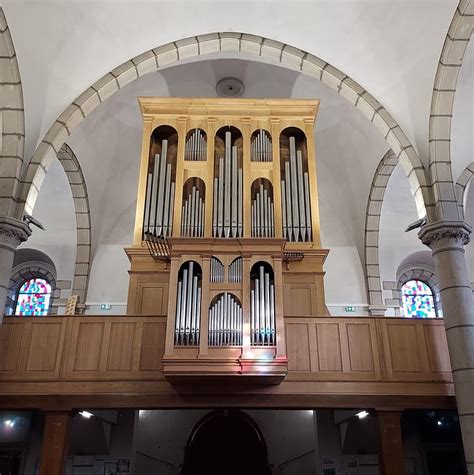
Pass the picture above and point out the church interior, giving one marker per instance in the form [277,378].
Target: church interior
[235,237]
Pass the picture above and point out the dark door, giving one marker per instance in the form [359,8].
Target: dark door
[226,442]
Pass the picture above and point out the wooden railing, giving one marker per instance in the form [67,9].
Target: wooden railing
[120,356]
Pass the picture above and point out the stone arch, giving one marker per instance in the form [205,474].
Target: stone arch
[172,53]
[461,186]
[459,33]
[77,182]
[372,222]
[12,122]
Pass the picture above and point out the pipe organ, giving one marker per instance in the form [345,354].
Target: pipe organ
[230,185]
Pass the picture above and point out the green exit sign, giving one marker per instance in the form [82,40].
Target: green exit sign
[350,309]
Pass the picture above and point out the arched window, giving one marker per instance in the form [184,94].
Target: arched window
[33,298]
[417,300]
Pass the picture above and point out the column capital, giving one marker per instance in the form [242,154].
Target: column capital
[13,232]
[444,235]
[377,310]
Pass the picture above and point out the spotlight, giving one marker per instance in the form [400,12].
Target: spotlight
[362,414]
[85,414]
[9,423]
[439,423]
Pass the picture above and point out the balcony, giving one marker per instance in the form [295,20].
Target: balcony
[116,361]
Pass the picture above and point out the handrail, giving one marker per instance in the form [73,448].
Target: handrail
[170,465]
[284,464]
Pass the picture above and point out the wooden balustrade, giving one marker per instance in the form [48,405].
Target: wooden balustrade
[333,362]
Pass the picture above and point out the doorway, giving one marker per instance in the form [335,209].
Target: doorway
[227,442]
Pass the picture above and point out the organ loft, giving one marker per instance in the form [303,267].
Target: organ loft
[227,233]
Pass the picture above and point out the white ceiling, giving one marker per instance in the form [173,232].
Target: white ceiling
[391,47]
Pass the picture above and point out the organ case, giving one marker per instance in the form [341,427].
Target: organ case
[228,194]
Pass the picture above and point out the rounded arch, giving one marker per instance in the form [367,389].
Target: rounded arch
[221,436]
[442,102]
[201,45]
[461,186]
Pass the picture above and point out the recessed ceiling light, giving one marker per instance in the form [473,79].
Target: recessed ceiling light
[85,414]
[362,414]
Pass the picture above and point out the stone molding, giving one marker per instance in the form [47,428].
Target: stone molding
[441,235]
[13,232]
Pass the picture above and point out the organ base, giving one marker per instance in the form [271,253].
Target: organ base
[219,367]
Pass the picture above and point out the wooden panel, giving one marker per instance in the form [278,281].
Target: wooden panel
[403,347]
[298,300]
[152,346]
[359,339]
[11,337]
[151,298]
[297,346]
[89,344]
[121,346]
[329,347]
[44,346]
[437,346]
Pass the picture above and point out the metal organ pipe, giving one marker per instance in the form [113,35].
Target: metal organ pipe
[262,309]
[196,146]
[227,215]
[192,215]
[262,213]
[225,321]
[261,147]
[188,306]
[217,270]
[235,270]
[296,208]
[159,200]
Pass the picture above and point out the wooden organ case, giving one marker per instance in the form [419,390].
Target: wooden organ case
[227,234]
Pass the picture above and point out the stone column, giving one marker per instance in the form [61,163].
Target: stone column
[391,459]
[447,241]
[12,233]
[57,432]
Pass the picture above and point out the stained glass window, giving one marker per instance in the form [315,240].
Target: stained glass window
[418,301]
[33,298]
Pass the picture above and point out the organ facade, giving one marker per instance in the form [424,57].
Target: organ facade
[228,209]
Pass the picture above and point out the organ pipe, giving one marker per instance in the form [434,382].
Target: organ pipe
[159,200]
[192,214]
[296,210]
[235,270]
[217,270]
[188,306]
[262,309]
[225,321]
[227,215]
[196,146]
[262,214]
[261,147]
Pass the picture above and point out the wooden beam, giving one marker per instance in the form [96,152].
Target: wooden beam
[57,430]
[391,459]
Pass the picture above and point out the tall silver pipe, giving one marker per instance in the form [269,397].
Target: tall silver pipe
[299,164]
[239,202]
[189,308]
[178,313]
[192,329]
[283,208]
[234,191]
[146,224]
[267,307]
[289,219]
[307,205]
[227,178]
[272,314]
[252,317]
[171,210]
[220,206]
[198,320]
[272,218]
[294,190]
[167,201]
[154,193]
[214,211]
[193,212]
[257,311]
[161,186]
[184,301]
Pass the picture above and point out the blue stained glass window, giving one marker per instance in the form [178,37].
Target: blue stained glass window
[417,300]
[33,298]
